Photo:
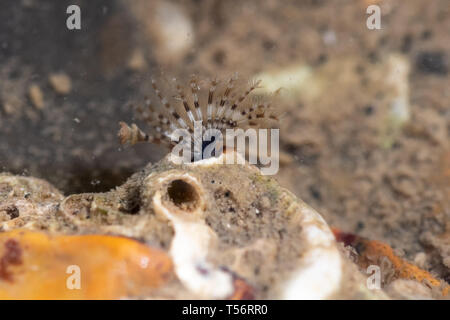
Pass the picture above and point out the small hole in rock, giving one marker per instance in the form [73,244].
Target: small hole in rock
[183,194]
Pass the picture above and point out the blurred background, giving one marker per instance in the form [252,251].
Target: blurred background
[365,139]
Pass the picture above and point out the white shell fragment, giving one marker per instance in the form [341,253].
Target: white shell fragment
[190,247]
[319,273]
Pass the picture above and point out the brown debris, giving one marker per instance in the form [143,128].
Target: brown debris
[36,96]
[12,256]
[61,83]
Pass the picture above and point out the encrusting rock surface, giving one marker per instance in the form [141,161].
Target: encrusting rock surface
[200,230]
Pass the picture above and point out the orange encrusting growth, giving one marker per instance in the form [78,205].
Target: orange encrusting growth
[242,290]
[372,252]
[35,265]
